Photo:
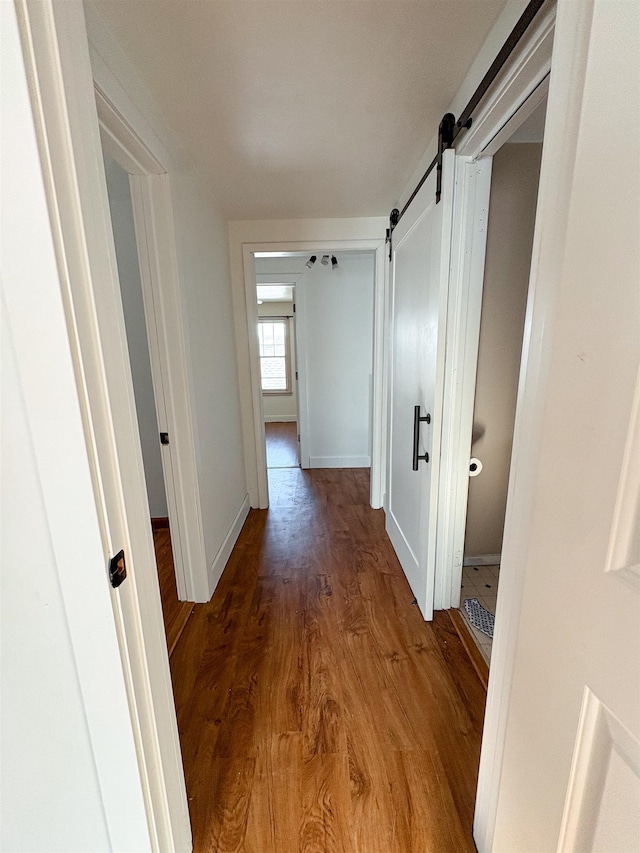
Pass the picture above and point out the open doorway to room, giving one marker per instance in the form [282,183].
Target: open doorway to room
[278,368]
[175,612]
[514,190]
[315,348]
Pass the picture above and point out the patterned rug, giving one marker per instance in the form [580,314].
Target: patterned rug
[479,616]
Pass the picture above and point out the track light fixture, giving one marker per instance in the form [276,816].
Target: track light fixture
[324,261]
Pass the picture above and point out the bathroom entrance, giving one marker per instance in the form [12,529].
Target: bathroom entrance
[514,189]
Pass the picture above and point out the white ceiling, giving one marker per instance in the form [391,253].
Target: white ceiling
[302,108]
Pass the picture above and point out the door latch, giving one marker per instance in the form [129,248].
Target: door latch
[117,570]
[164,438]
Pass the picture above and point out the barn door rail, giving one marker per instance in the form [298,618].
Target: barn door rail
[449,128]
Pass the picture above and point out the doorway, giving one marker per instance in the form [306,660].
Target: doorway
[122,221]
[175,612]
[329,301]
[514,190]
[278,363]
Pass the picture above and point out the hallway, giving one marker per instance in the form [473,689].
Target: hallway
[282,445]
[317,711]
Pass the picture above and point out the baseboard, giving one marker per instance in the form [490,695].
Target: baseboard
[284,419]
[339,462]
[473,652]
[224,552]
[159,523]
[482,560]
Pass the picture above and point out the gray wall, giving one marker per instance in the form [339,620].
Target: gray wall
[132,302]
[514,191]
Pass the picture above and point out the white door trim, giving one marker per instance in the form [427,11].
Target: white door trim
[527,69]
[301,365]
[154,237]
[521,86]
[249,268]
[380,385]
[151,198]
[65,114]
[560,143]
[518,90]
[468,245]
[379,417]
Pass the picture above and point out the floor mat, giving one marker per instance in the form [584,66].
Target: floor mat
[479,617]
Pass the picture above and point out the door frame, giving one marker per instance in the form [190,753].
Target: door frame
[379,417]
[151,199]
[515,95]
[497,119]
[56,55]
[521,86]
[291,279]
[554,197]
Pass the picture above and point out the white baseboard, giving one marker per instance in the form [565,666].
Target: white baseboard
[483,560]
[280,419]
[339,462]
[224,552]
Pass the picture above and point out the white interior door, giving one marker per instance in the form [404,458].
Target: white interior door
[565,765]
[419,286]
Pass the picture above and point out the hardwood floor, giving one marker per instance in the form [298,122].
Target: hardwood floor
[317,711]
[282,445]
[174,612]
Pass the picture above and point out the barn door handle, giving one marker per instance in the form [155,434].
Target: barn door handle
[417,420]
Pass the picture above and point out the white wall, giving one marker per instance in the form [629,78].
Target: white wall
[282,407]
[131,289]
[203,261]
[335,331]
[70,778]
[203,272]
[514,191]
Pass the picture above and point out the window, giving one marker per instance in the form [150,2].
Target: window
[274,355]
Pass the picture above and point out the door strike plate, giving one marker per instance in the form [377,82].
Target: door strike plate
[117,570]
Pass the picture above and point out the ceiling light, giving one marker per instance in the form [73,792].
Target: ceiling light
[334,262]
[310,262]
[325,260]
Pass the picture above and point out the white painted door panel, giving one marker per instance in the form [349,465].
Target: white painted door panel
[419,284]
[569,777]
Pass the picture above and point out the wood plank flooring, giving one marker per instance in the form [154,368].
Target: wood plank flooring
[318,712]
[282,445]
[174,612]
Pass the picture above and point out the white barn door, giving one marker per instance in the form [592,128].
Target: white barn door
[419,286]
